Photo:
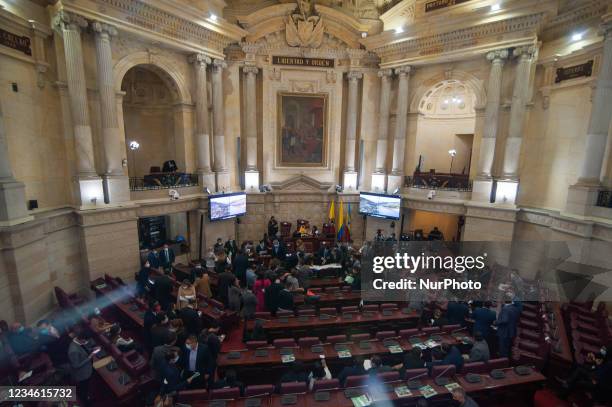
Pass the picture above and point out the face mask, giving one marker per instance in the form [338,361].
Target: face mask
[44,331]
[97,311]
[21,329]
[603,350]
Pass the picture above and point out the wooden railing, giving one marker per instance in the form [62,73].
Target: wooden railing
[439,181]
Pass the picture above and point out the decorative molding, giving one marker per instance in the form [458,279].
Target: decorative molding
[301,183]
[560,25]
[199,59]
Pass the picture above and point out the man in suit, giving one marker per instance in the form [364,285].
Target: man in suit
[191,319]
[224,282]
[163,291]
[160,331]
[166,257]
[158,356]
[324,253]
[240,264]
[153,258]
[452,356]
[278,251]
[285,298]
[463,399]
[249,304]
[272,227]
[483,317]
[480,349]
[506,327]
[196,358]
[457,312]
[81,366]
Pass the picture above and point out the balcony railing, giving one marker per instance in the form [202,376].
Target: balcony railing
[439,181]
[165,180]
[604,198]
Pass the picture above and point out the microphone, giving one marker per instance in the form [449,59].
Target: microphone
[458,330]
[441,381]
[413,383]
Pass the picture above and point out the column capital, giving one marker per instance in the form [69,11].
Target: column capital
[354,75]
[497,55]
[219,64]
[65,20]
[385,72]
[250,69]
[101,28]
[403,70]
[199,59]
[606,29]
[526,51]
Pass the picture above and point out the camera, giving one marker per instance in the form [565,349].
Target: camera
[431,194]
[174,195]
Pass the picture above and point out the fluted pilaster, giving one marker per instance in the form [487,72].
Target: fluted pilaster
[71,25]
[399,141]
[202,131]
[517,111]
[351,120]
[487,147]
[6,173]
[383,119]
[601,114]
[250,73]
[108,105]
[218,114]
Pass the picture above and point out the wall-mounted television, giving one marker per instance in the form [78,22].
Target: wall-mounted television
[380,205]
[226,206]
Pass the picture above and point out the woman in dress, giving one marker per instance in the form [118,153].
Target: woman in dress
[259,288]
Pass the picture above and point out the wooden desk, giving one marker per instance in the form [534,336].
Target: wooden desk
[326,282]
[338,299]
[371,319]
[121,391]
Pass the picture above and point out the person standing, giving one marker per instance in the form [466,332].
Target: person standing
[81,365]
[272,227]
[240,264]
[166,258]
[186,294]
[259,288]
[202,283]
[153,258]
[506,327]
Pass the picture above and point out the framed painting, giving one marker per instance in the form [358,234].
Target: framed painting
[302,130]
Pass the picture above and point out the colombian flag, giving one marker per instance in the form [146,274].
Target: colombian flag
[332,211]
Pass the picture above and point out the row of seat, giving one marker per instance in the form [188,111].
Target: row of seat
[333,384]
[312,311]
[380,335]
[532,344]
[588,330]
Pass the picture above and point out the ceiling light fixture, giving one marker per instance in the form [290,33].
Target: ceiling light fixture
[495,7]
[577,36]
[399,30]
[213,17]
[364,34]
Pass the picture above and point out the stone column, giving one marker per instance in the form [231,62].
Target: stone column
[379,175]
[12,192]
[251,171]
[89,190]
[202,130]
[221,171]
[395,180]
[350,175]
[583,195]
[483,183]
[517,112]
[116,185]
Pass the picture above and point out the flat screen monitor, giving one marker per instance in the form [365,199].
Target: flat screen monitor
[380,205]
[226,206]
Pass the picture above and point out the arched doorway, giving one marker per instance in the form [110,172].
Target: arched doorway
[445,130]
[149,123]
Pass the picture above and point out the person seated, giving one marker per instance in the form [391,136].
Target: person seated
[21,340]
[258,332]
[272,227]
[293,282]
[186,293]
[480,349]
[324,253]
[462,398]
[435,234]
[595,375]
[120,342]
[438,319]
[169,166]
[379,236]
[261,248]
[377,366]
[320,371]
[97,322]
[356,369]
[230,380]
[412,360]
[451,355]
[278,251]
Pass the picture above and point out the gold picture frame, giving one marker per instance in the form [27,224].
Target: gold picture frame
[301,130]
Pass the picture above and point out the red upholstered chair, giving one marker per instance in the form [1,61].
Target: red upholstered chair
[263,315]
[284,343]
[316,290]
[135,363]
[356,381]
[332,289]
[352,308]
[347,288]
[528,324]
[415,373]
[382,335]
[216,304]
[336,338]
[256,344]
[307,312]
[430,329]
[371,307]
[475,367]
[499,363]
[229,393]
[192,396]
[360,337]
[328,311]
[115,352]
[308,341]
[387,377]
[443,371]
[388,305]
[284,313]
[259,390]
[407,333]
[293,388]
[325,384]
